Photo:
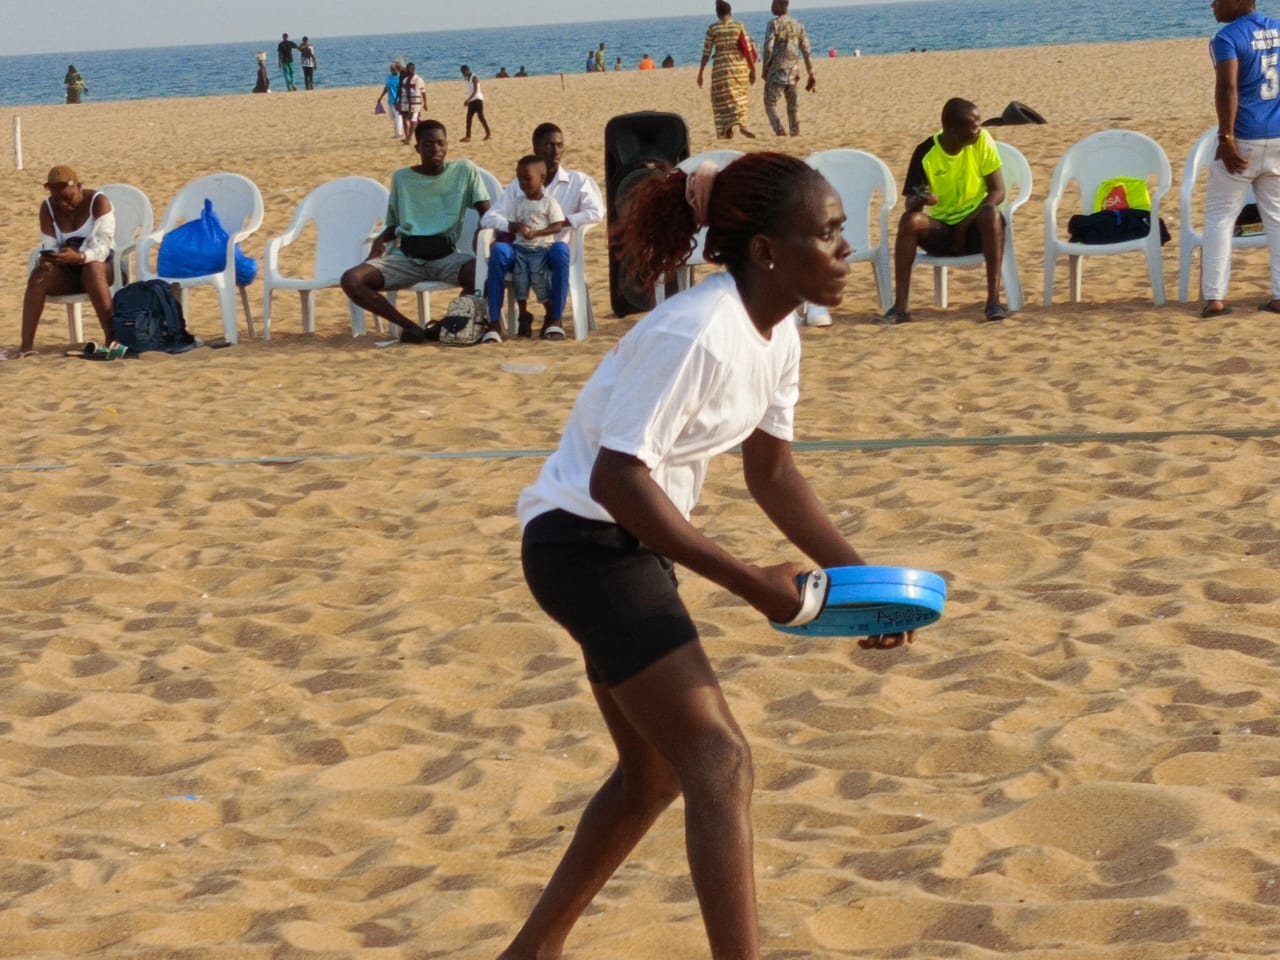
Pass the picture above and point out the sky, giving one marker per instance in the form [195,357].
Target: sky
[123,24]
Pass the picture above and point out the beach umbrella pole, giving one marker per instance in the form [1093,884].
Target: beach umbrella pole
[17,141]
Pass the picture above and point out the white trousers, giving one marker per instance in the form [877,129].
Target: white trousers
[1225,196]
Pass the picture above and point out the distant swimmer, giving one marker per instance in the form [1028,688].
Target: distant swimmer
[74,83]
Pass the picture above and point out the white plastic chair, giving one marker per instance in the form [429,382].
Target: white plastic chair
[1189,238]
[466,243]
[858,177]
[584,318]
[684,273]
[134,218]
[1098,157]
[238,204]
[1016,173]
[347,213]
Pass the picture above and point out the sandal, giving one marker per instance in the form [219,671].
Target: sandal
[1208,312]
[894,316]
[553,332]
[1265,307]
[997,311]
[491,336]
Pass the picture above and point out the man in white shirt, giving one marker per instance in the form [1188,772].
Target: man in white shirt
[579,198]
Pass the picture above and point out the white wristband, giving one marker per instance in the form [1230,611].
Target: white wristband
[813,597]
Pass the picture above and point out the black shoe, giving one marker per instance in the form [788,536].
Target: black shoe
[413,335]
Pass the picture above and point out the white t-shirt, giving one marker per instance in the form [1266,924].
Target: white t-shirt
[691,380]
[473,89]
[577,194]
[538,215]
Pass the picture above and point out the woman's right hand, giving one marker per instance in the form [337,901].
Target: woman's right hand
[775,590]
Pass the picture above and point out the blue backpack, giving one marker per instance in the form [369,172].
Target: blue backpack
[147,316]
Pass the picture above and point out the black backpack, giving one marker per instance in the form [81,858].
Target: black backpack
[147,316]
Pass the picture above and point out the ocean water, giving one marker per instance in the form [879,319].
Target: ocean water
[361,61]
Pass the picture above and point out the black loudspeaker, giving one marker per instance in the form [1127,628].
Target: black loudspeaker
[634,146]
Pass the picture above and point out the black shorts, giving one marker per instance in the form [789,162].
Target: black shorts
[938,243]
[615,596]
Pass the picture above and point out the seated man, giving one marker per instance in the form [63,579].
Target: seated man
[579,198]
[77,229]
[956,175]
[424,216]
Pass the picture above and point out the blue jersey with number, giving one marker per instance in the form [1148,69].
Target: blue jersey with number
[1254,41]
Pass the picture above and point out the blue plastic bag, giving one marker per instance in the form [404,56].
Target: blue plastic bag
[199,248]
[246,268]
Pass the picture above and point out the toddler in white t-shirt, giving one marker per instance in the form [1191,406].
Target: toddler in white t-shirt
[538,218]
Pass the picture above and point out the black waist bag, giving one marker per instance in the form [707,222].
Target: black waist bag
[1112,226]
[434,247]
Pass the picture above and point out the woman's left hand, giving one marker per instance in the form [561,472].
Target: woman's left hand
[887,641]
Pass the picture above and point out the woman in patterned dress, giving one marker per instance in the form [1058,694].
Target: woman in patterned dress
[732,73]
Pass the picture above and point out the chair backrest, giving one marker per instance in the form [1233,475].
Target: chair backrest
[346,212]
[236,200]
[721,158]
[134,216]
[1017,178]
[1111,153]
[858,177]
[1198,160]
[471,221]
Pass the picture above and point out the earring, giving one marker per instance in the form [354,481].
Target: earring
[771,266]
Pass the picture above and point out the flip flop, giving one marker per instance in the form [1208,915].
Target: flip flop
[1266,307]
[894,316]
[997,311]
[1207,313]
[491,336]
[553,332]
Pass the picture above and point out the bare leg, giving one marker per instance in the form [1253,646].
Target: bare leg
[912,228]
[49,280]
[363,284]
[991,229]
[674,733]
[96,279]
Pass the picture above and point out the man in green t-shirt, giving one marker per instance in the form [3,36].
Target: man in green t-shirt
[425,210]
[955,177]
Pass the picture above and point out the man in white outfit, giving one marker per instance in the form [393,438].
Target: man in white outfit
[1246,62]
[579,198]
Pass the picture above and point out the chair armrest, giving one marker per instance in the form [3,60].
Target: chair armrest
[271,255]
[144,246]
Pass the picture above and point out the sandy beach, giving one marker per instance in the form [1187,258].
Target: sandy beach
[274,686]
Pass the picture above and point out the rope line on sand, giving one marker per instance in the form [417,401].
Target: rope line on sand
[799,446]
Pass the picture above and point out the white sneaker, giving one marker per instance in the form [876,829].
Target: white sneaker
[816,315]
